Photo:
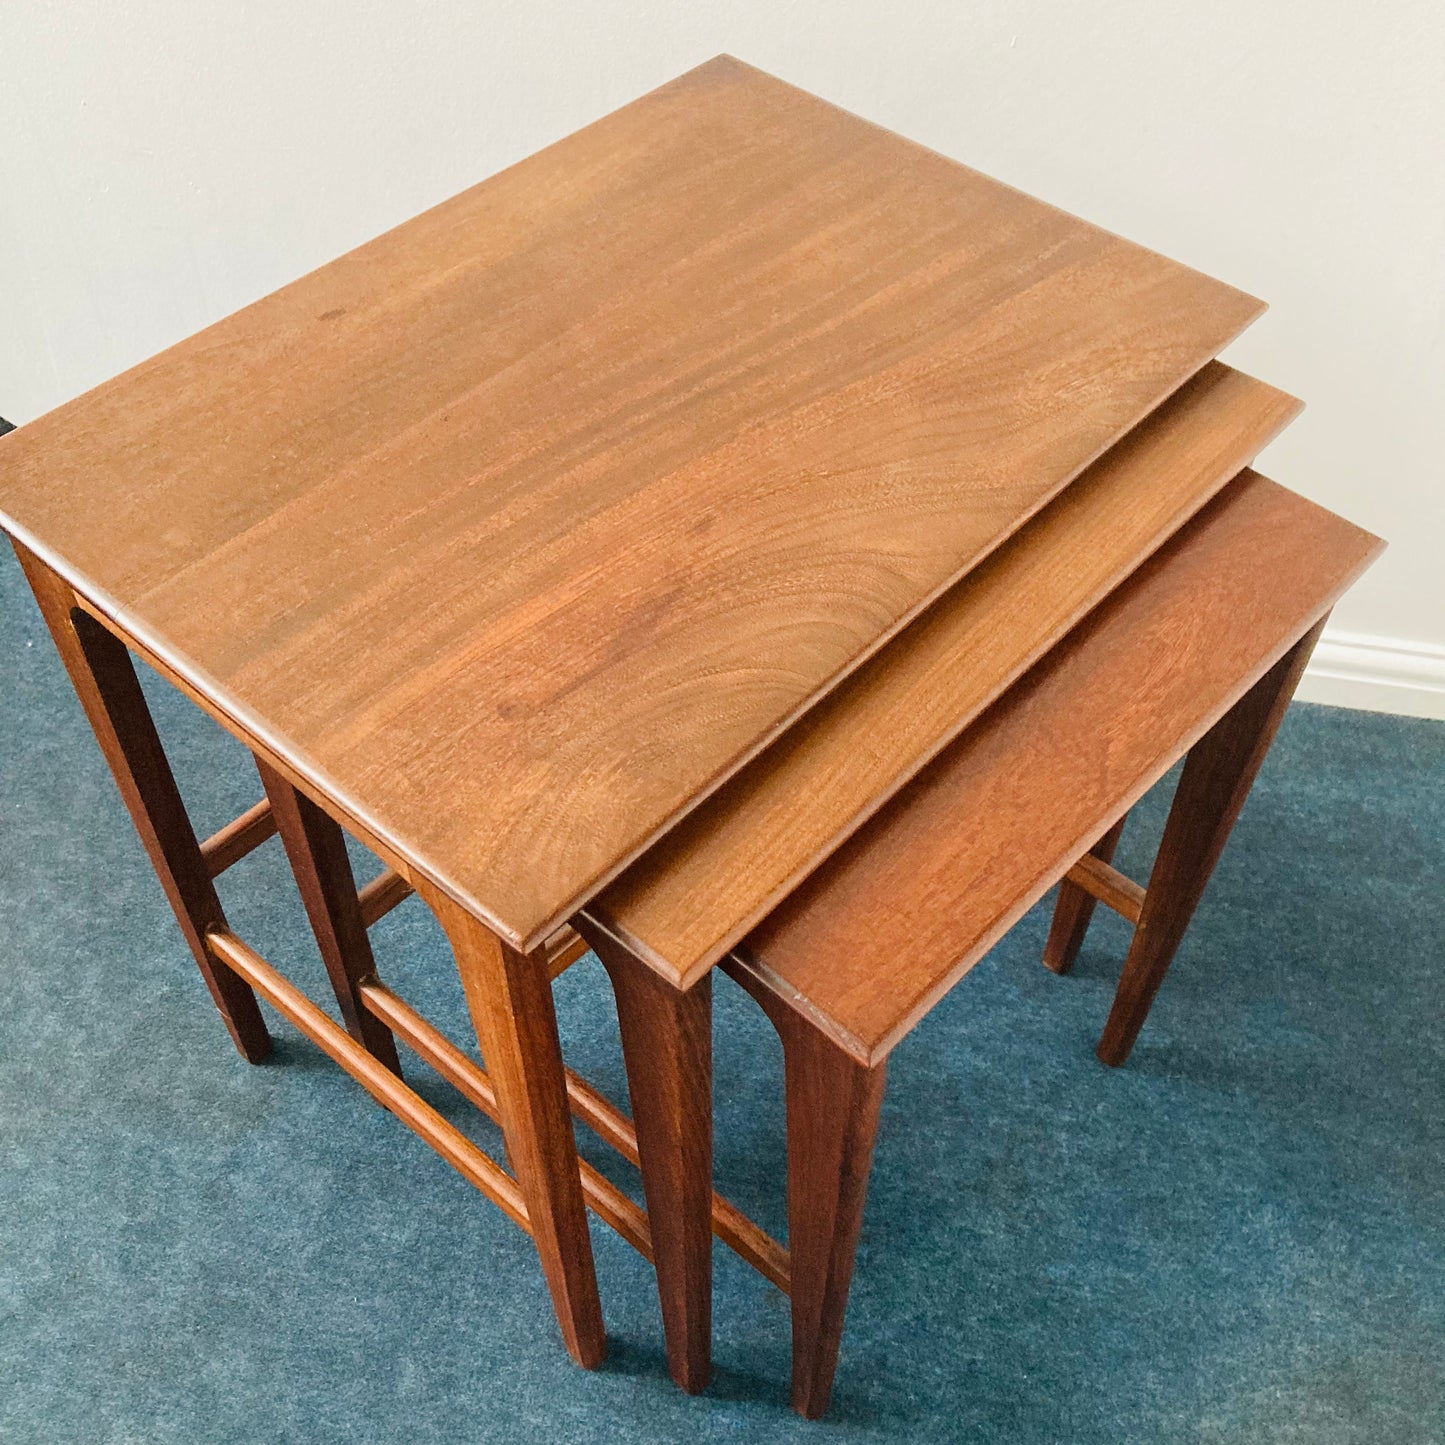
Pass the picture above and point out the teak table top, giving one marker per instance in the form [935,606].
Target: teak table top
[698,890]
[1062,755]
[520,529]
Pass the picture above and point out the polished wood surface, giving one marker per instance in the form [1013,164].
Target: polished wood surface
[833,1106]
[1103,882]
[509,996]
[316,849]
[227,846]
[382,1083]
[878,934]
[747,1239]
[603,1197]
[1216,780]
[378,896]
[105,681]
[692,896]
[667,1046]
[562,499]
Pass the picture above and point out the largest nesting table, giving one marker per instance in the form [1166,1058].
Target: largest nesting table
[507,540]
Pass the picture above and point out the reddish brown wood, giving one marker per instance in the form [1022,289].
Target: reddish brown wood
[929,888]
[1108,886]
[719,872]
[742,1235]
[1216,780]
[243,835]
[380,1082]
[510,998]
[578,488]
[1198,652]
[383,893]
[1075,908]
[833,1104]
[105,680]
[603,1197]
[316,848]
[667,1047]
[564,948]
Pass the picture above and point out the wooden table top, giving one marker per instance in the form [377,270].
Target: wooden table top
[874,938]
[698,890]
[520,529]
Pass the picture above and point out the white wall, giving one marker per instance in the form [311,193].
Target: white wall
[164,161]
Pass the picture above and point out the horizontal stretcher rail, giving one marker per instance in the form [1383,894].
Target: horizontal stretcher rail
[384,1086]
[381,895]
[470,1079]
[239,837]
[605,1119]
[1112,888]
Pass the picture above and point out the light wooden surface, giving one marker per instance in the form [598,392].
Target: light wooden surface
[883,929]
[519,529]
[685,902]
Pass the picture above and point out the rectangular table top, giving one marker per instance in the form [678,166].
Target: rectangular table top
[873,939]
[521,528]
[699,889]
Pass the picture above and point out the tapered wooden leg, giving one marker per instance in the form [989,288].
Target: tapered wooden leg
[316,848]
[667,1046]
[1075,908]
[1218,773]
[833,1108]
[510,998]
[105,680]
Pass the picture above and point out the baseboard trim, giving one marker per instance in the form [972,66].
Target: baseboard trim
[1380,674]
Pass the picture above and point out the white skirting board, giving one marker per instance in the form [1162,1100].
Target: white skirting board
[1381,674]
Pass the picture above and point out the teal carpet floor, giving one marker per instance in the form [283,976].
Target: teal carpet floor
[1239,1237]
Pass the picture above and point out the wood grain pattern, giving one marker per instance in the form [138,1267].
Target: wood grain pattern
[565,497]
[690,898]
[878,934]
[667,1047]
[105,681]
[1216,780]
[509,997]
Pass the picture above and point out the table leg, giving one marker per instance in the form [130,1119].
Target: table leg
[316,848]
[1075,908]
[105,679]
[667,1047]
[833,1105]
[1218,774]
[510,998]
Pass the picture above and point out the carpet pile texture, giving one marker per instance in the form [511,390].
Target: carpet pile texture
[1238,1237]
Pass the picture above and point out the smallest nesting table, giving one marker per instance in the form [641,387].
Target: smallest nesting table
[1198,652]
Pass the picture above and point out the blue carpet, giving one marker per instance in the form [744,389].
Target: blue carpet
[1237,1238]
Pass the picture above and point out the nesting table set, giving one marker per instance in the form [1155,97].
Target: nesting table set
[733,537]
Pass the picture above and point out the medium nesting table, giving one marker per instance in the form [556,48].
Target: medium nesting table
[509,541]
